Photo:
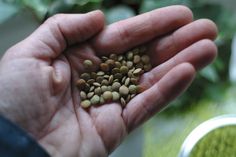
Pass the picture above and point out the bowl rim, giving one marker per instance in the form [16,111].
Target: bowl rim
[204,128]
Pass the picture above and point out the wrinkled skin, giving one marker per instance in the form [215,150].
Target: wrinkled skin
[38,76]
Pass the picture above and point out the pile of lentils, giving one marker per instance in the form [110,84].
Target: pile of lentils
[116,80]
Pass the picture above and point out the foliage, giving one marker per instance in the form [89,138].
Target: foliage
[116,10]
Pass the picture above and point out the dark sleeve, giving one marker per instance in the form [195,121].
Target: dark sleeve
[14,142]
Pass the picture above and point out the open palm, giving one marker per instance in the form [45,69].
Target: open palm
[38,76]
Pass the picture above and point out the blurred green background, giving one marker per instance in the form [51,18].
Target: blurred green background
[211,94]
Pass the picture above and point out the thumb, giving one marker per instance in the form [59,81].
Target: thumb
[58,32]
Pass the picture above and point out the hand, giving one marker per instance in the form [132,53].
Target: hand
[38,76]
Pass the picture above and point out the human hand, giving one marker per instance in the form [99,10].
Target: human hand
[38,76]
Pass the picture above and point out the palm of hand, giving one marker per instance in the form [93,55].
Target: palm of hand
[57,120]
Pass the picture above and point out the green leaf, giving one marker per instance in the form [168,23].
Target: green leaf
[62,6]
[148,5]
[118,13]
[7,10]
[86,7]
[40,7]
[132,1]
[210,74]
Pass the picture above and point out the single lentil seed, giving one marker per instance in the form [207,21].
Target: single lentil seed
[123,90]
[96,84]
[85,104]
[107,96]
[136,59]
[87,63]
[104,67]
[90,95]
[122,101]
[83,95]
[133,89]
[116,86]
[124,69]
[95,100]
[115,96]
[81,83]
[127,81]
[85,76]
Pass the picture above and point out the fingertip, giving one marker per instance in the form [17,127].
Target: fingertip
[210,49]
[188,69]
[184,11]
[99,17]
[209,26]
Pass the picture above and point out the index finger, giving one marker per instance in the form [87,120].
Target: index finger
[126,34]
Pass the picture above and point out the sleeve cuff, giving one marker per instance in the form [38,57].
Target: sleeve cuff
[14,142]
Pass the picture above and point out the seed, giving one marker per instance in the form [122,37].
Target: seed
[136,59]
[100,73]
[123,79]
[132,96]
[139,65]
[109,88]
[85,104]
[106,76]
[130,55]
[123,62]
[116,86]
[133,89]
[115,96]
[104,58]
[85,76]
[140,89]
[96,84]
[91,88]
[124,69]
[87,63]
[118,76]
[137,71]
[136,51]
[116,80]
[90,81]
[102,101]
[81,84]
[123,90]
[105,82]
[115,71]
[113,56]
[107,96]
[122,101]
[87,87]
[99,79]
[83,95]
[104,88]
[120,58]
[129,64]
[111,63]
[117,64]
[134,80]
[104,67]
[95,100]
[111,78]
[130,74]
[147,67]
[145,59]
[93,75]
[98,91]
[128,98]
[127,81]
[90,95]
